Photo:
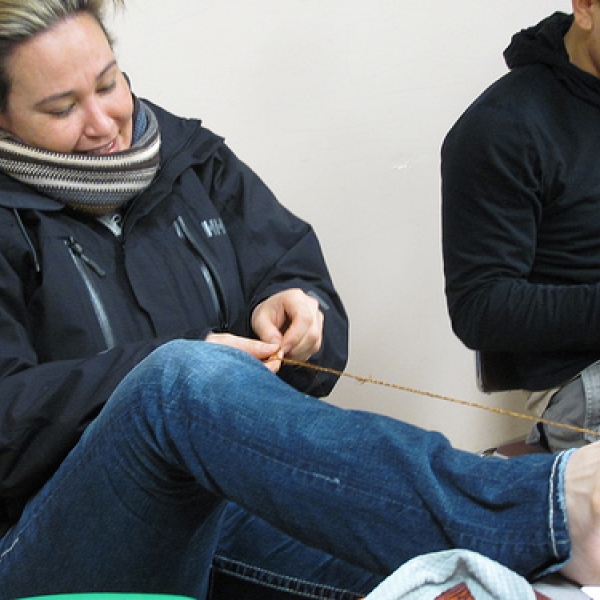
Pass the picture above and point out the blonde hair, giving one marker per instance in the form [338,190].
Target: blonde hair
[20,20]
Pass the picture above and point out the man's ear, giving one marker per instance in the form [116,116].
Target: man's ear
[583,13]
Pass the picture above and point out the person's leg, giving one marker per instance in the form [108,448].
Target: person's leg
[364,487]
[195,423]
[79,535]
[567,406]
[114,518]
[582,503]
[258,561]
[577,403]
[117,517]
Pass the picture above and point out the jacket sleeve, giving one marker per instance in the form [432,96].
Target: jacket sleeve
[494,188]
[277,251]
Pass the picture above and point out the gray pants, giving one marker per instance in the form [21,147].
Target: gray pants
[577,403]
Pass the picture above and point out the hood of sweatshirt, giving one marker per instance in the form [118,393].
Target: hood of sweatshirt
[544,44]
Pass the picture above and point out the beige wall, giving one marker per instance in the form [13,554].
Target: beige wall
[341,107]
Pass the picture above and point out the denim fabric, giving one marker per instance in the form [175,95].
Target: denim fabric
[285,565]
[138,504]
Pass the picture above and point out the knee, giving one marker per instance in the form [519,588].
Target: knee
[202,364]
[177,371]
[196,355]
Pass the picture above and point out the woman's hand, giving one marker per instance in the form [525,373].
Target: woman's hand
[293,321]
[269,354]
[289,323]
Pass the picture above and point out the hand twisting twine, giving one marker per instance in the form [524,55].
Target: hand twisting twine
[403,388]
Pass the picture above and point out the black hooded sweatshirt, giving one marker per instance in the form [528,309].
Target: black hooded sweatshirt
[521,213]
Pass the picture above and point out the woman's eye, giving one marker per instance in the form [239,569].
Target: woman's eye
[107,88]
[62,112]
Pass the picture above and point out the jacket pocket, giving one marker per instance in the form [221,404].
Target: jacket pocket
[85,266]
[208,269]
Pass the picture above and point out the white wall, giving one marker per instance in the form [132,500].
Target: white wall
[341,107]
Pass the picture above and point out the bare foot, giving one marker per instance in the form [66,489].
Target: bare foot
[582,498]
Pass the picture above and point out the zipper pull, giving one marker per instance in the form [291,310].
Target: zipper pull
[77,249]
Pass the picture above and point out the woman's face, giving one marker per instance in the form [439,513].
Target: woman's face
[67,92]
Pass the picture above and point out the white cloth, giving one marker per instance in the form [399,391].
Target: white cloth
[427,577]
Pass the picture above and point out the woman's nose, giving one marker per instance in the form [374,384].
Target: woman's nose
[98,122]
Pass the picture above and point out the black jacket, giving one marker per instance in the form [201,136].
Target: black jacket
[79,307]
[521,213]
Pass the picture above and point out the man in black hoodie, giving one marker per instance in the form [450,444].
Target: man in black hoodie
[521,220]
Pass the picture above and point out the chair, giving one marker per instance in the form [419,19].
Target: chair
[515,447]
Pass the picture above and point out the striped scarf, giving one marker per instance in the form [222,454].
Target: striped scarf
[95,185]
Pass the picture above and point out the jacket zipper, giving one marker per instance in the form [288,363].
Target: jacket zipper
[209,273]
[84,264]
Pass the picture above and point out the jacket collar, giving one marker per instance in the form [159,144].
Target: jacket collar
[14,194]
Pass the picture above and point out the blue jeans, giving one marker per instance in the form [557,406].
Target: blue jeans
[255,556]
[140,504]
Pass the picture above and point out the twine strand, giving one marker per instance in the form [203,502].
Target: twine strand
[403,388]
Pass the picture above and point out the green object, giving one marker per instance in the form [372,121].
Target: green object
[108,596]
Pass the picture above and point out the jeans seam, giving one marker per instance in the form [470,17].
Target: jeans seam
[285,583]
[10,548]
[551,494]
[557,501]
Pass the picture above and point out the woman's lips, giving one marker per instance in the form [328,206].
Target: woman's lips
[106,149]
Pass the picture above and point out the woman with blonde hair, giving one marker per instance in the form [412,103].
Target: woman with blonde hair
[150,288]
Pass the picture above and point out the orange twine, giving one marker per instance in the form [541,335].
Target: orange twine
[403,388]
